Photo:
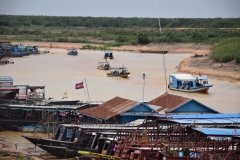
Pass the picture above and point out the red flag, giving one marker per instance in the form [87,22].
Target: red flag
[79,85]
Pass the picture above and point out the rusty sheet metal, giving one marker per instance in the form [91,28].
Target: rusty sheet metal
[110,108]
[169,101]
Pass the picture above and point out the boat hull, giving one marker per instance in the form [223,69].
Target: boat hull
[103,68]
[118,75]
[67,152]
[49,142]
[191,90]
[59,151]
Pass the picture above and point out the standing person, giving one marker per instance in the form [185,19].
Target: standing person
[197,81]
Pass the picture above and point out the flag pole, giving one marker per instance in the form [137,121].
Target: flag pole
[88,96]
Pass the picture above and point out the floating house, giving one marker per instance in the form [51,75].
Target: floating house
[173,104]
[119,110]
[122,111]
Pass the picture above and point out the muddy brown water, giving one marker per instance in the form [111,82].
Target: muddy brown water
[59,73]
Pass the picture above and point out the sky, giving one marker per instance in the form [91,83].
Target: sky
[124,8]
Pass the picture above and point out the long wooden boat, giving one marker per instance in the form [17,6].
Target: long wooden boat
[71,141]
[65,136]
[119,72]
[188,83]
[152,51]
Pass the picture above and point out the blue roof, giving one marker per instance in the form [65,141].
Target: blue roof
[207,116]
[228,121]
[219,131]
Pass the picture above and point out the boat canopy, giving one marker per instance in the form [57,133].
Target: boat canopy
[103,63]
[183,77]
[118,68]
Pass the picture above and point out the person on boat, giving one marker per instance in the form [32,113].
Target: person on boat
[197,81]
[183,84]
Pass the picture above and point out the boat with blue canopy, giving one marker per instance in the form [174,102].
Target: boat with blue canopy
[188,83]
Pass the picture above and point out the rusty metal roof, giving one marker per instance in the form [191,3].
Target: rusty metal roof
[168,101]
[110,108]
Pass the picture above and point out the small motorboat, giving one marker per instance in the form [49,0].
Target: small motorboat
[121,72]
[108,54]
[72,52]
[103,65]
[188,83]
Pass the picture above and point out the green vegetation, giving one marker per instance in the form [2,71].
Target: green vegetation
[119,22]
[111,32]
[227,50]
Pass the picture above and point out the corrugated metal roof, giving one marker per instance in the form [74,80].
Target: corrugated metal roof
[219,131]
[208,116]
[228,121]
[169,101]
[110,108]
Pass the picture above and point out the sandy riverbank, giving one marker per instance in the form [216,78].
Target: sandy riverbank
[205,65]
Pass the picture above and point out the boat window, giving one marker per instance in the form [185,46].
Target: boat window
[61,133]
[170,80]
[106,146]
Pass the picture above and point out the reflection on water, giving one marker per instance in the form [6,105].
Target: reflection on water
[60,72]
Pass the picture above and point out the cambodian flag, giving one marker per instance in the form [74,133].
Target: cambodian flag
[79,85]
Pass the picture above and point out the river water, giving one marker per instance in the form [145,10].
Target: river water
[59,73]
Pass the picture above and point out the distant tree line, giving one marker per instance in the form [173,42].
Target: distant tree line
[223,33]
[118,22]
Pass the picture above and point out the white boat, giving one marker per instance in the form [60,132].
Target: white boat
[188,83]
[121,72]
[103,65]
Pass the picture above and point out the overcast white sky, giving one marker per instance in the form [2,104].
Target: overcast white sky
[124,8]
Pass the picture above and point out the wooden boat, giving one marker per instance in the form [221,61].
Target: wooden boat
[100,146]
[65,135]
[152,51]
[188,83]
[119,72]
[108,54]
[71,141]
[72,52]
[103,65]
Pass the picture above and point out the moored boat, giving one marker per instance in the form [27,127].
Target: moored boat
[71,141]
[188,83]
[119,72]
